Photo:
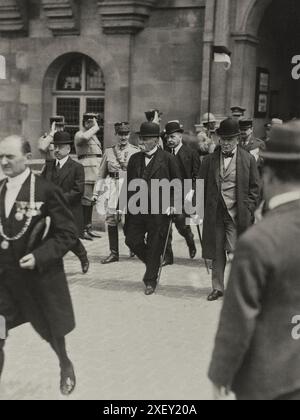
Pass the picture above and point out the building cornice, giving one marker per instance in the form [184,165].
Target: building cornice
[124,16]
[62,16]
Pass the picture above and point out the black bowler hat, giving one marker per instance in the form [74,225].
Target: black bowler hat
[62,137]
[284,143]
[149,129]
[246,123]
[173,127]
[229,128]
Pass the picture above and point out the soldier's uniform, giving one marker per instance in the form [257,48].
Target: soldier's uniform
[252,144]
[108,187]
[207,138]
[89,152]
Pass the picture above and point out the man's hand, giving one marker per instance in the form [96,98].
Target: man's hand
[221,393]
[189,197]
[28,262]
[53,129]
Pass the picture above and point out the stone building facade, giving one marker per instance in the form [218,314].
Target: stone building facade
[124,57]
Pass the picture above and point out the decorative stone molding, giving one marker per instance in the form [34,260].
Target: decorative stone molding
[63,16]
[13,16]
[124,16]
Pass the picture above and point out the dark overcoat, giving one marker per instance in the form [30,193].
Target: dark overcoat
[257,350]
[71,180]
[248,193]
[40,297]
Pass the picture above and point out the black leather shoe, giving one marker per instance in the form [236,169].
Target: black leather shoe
[131,254]
[192,249]
[87,236]
[215,295]
[85,265]
[168,261]
[113,258]
[94,234]
[67,380]
[150,290]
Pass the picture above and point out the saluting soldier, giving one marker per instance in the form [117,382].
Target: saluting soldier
[36,231]
[69,176]
[89,151]
[45,143]
[207,137]
[110,180]
[189,165]
[146,231]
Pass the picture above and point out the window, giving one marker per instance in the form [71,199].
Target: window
[79,88]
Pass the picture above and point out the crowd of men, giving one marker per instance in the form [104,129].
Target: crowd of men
[43,217]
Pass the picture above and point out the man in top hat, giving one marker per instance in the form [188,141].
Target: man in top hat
[36,231]
[189,165]
[89,152]
[231,197]
[69,176]
[237,112]
[110,180]
[45,143]
[146,231]
[250,143]
[257,350]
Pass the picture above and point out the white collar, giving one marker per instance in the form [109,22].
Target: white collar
[152,152]
[176,149]
[62,162]
[19,179]
[282,199]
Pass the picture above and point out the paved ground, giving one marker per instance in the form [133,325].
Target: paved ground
[126,345]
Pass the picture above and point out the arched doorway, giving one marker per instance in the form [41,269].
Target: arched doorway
[279,36]
[79,87]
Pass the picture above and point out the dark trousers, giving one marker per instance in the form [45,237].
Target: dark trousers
[79,250]
[226,236]
[183,229]
[146,236]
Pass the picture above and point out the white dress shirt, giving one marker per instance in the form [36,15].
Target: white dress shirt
[13,187]
[148,159]
[62,162]
[280,200]
[227,161]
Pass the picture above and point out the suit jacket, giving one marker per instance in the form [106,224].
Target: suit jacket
[248,190]
[162,167]
[255,353]
[71,180]
[188,163]
[42,296]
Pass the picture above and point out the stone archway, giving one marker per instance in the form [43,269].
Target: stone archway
[40,84]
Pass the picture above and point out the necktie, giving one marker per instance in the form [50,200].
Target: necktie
[228,155]
[173,152]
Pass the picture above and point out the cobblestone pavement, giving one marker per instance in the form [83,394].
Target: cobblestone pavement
[126,345]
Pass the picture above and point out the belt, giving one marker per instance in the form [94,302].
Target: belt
[88,156]
[114,175]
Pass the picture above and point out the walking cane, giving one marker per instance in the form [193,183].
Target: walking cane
[201,242]
[165,250]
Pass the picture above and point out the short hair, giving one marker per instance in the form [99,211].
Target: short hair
[25,145]
[285,171]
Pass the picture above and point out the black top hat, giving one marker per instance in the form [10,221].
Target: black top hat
[62,137]
[229,128]
[123,128]
[284,143]
[238,110]
[149,129]
[173,127]
[246,123]
[58,119]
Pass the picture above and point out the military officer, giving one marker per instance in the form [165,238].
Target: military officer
[110,179]
[207,138]
[45,143]
[250,143]
[36,231]
[89,151]
[237,112]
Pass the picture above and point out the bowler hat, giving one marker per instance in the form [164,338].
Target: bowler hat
[173,127]
[90,116]
[62,137]
[284,143]
[149,129]
[246,123]
[229,128]
[123,128]
[58,119]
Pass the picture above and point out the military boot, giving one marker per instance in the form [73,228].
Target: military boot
[113,236]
